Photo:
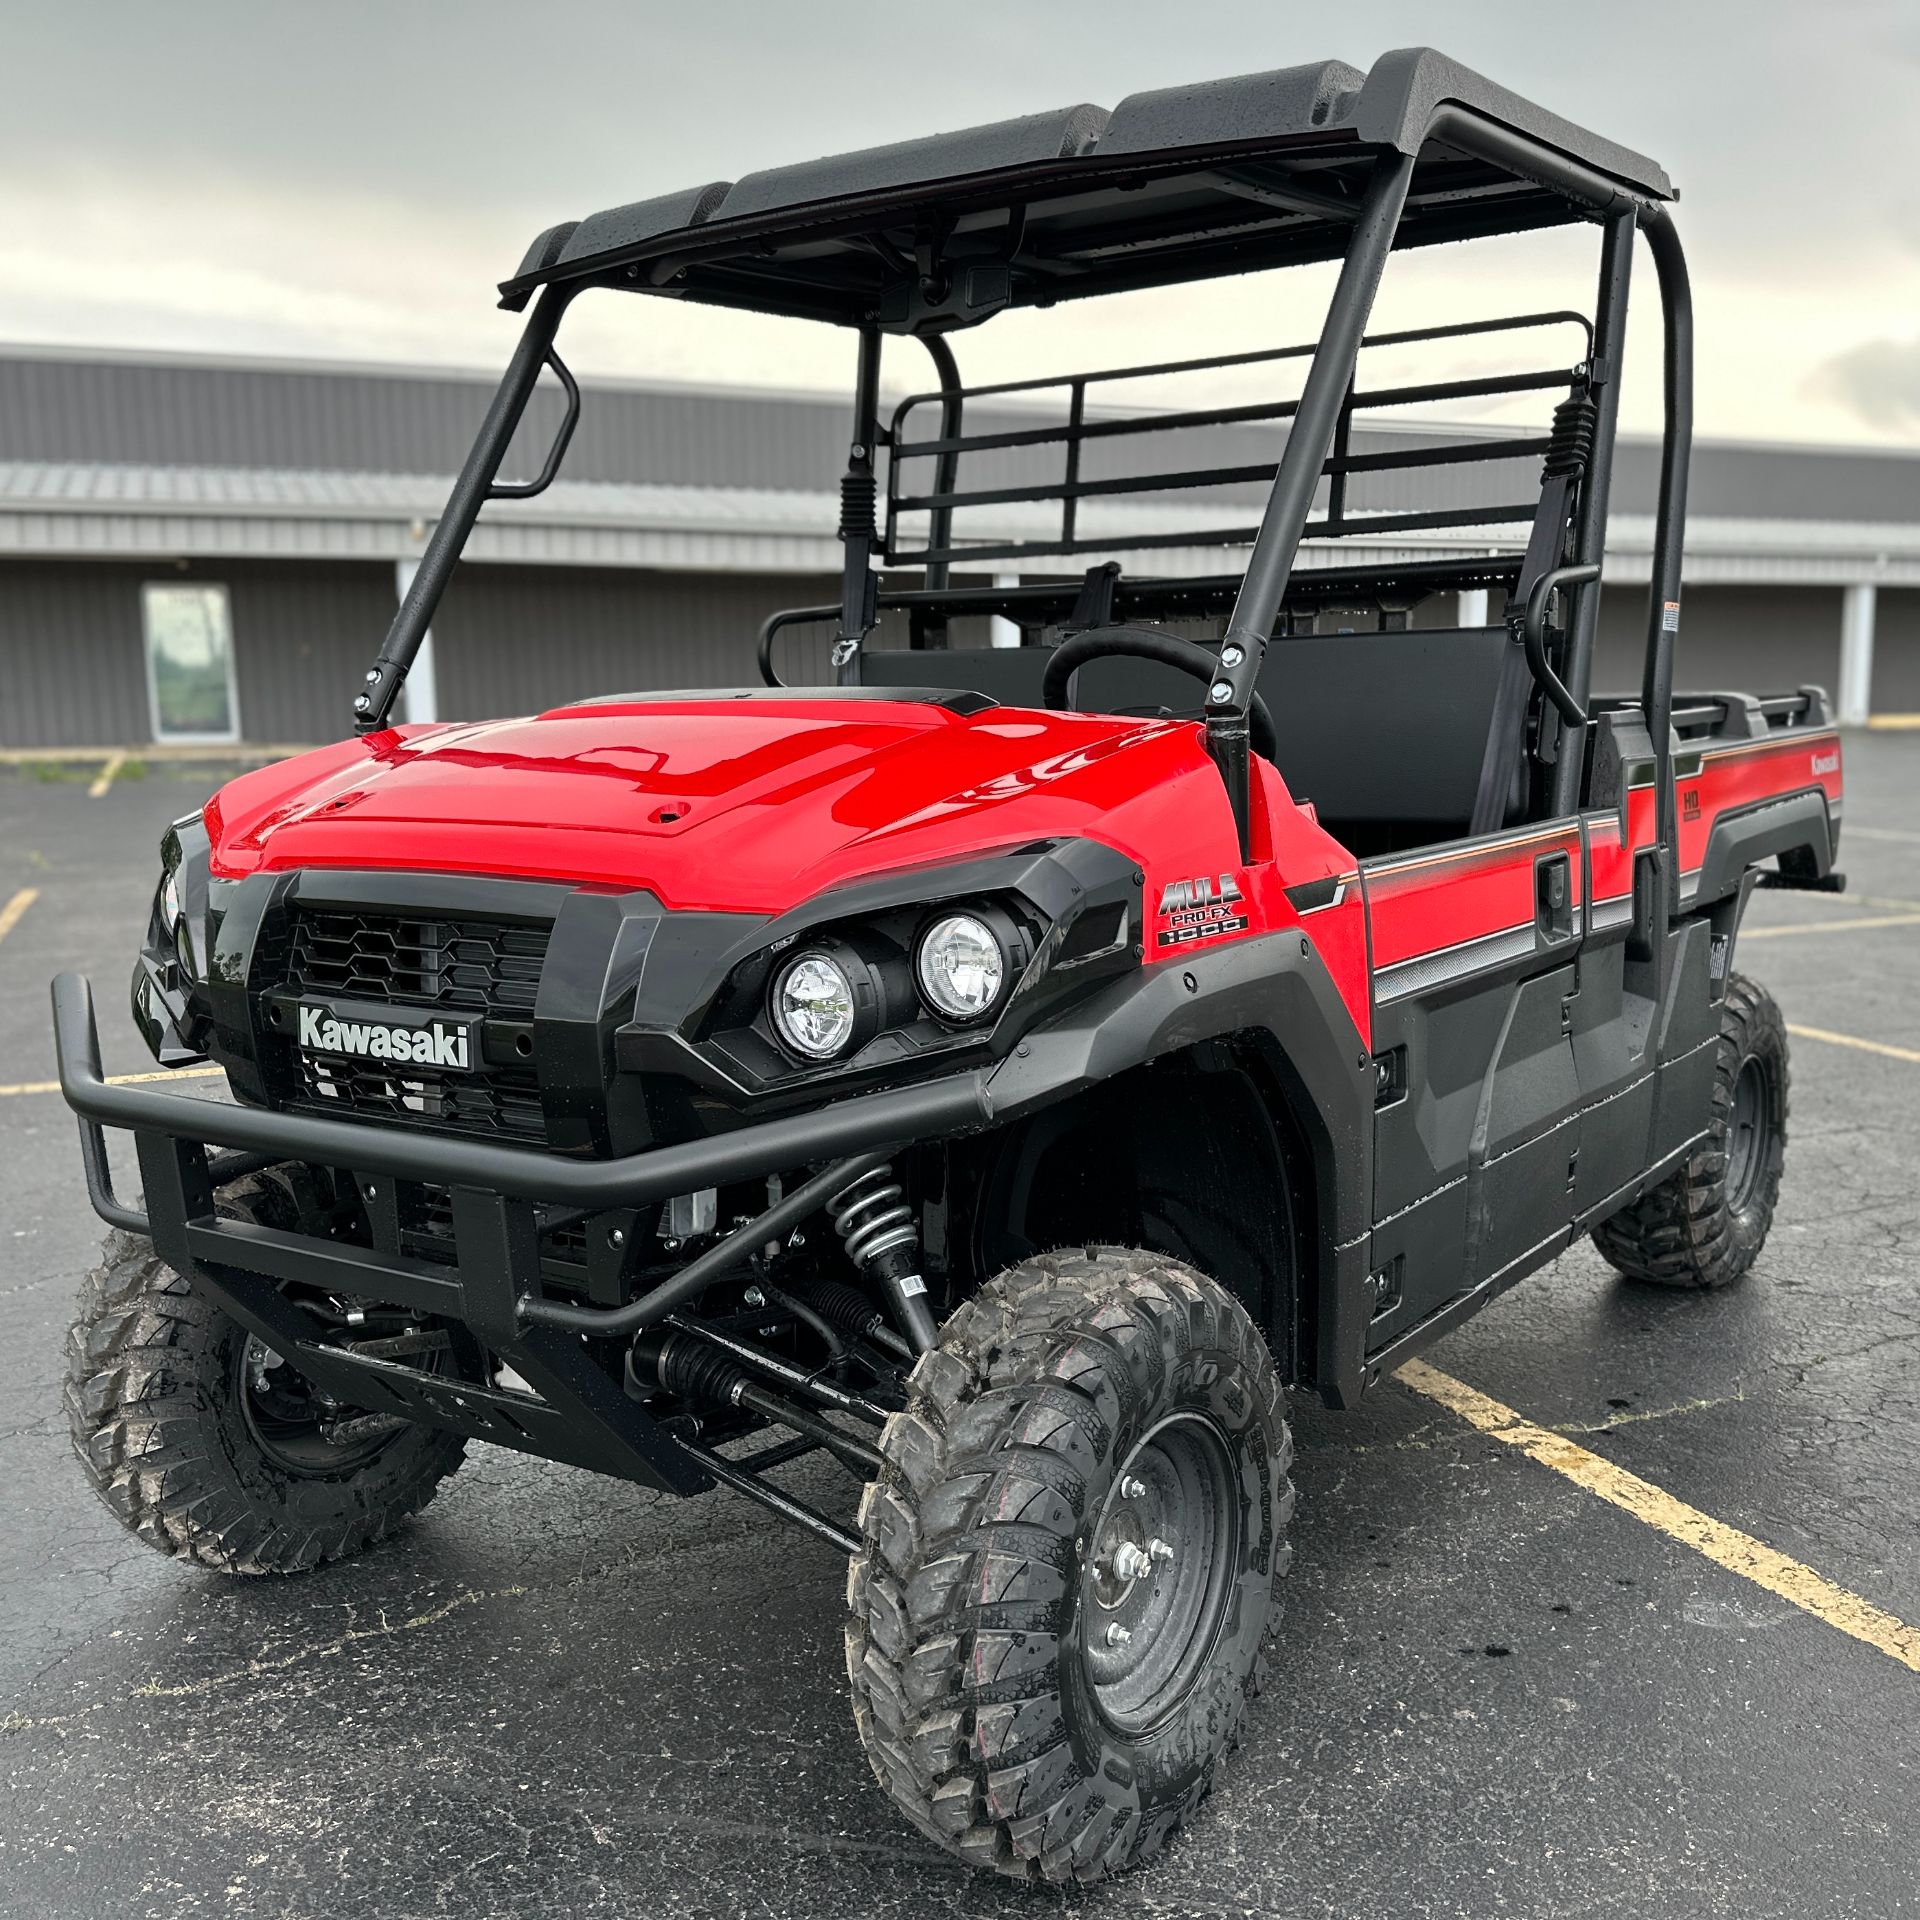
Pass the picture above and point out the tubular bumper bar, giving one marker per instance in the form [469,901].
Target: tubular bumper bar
[865,1123]
[574,1411]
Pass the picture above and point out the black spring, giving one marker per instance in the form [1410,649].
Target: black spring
[1570,444]
[872,1216]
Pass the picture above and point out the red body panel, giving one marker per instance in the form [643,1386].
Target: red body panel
[1431,901]
[757,806]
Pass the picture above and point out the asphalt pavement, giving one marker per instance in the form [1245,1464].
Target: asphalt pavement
[1492,1694]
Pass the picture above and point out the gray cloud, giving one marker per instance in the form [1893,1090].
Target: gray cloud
[350,179]
[1878,382]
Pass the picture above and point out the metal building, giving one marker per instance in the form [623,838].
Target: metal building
[199,550]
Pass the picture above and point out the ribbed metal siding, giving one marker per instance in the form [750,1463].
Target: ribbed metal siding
[72,669]
[303,634]
[72,652]
[174,413]
[517,639]
[1732,639]
[1896,651]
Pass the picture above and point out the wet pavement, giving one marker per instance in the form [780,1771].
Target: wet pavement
[1492,1694]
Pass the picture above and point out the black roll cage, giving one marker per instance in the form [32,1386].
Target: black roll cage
[1315,445]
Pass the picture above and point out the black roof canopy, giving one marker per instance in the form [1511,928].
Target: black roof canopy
[1186,183]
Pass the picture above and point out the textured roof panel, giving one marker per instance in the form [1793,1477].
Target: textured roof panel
[1080,175]
[1038,138]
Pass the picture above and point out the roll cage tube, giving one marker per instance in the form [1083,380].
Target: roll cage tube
[478,483]
[1270,565]
[1323,399]
[1663,597]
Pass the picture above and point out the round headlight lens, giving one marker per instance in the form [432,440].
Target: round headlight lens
[812,1006]
[170,901]
[962,970]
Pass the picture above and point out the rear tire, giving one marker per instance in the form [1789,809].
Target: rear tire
[1704,1225]
[192,1434]
[1097,1443]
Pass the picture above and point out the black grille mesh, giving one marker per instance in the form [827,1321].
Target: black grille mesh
[505,1104]
[449,966]
[463,966]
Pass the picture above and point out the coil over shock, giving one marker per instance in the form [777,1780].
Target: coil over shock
[882,1237]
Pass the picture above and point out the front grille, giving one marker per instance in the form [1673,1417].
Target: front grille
[446,966]
[463,966]
[503,1104]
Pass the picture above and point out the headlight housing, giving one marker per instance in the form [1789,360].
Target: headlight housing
[169,988]
[938,963]
[812,1006]
[963,967]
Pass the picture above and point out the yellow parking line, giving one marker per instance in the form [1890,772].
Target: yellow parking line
[114,763]
[115,1080]
[11,912]
[1833,926]
[1851,1040]
[1725,1546]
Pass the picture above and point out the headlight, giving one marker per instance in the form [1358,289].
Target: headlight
[961,967]
[812,1006]
[170,908]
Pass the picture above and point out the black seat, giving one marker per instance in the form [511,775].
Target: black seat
[1383,732]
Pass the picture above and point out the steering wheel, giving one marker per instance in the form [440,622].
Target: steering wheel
[1143,643]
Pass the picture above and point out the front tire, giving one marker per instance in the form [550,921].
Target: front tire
[203,1444]
[1068,1563]
[1704,1225]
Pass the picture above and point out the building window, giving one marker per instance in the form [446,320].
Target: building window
[190,663]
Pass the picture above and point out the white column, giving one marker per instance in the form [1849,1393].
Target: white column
[1856,654]
[1002,632]
[1473,606]
[422,694]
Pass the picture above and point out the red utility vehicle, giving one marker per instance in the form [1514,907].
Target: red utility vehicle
[1007,1070]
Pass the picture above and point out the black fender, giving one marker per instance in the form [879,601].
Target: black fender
[1799,826]
[1276,989]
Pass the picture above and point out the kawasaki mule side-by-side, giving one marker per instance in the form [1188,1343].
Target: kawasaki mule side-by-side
[1008,1070]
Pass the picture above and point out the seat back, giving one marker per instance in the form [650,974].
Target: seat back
[1384,730]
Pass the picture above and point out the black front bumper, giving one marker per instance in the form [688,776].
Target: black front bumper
[581,1414]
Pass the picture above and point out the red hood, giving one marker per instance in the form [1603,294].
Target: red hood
[741,805]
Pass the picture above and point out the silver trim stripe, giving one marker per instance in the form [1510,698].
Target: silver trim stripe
[1425,970]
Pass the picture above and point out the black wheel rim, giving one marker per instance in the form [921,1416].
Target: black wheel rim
[287,1424]
[1748,1132]
[1160,1572]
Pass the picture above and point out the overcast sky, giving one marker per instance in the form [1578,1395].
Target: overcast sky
[349,180]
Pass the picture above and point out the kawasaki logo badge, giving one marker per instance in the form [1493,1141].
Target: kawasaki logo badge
[440,1043]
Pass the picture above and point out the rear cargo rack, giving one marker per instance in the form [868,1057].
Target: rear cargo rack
[1078,432]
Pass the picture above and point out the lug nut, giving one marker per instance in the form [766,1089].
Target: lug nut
[1159,1550]
[1132,1489]
[1117,1635]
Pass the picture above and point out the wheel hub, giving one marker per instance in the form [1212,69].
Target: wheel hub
[1158,1572]
[294,1424]
[1747,1132]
